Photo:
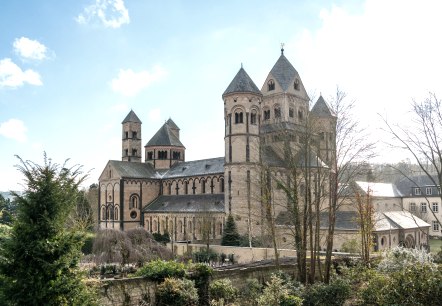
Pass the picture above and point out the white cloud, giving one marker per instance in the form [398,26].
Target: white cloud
[129,83]
[30,49]
[13,76]
[154,115]
[120,108]
[14,129]
[111,13]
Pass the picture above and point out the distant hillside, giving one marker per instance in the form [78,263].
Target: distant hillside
[7,195]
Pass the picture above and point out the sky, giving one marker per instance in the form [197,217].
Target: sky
[70,71]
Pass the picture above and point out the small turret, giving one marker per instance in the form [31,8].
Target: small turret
[131,138]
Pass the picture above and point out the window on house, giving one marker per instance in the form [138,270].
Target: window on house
[190,226]
[296,84]
[271,85]
[222,185]
[133,201]
[149,155]
[238,118]
[203,186]
[253,117]
[435,207]
[428,191]
[300,115]
[180,226]
[267,115]
[291,113]
[169,188]
[417,191]
[277,112]
[412,207]
[127,135]
[134,135]
[126,152]
[186,187]
[116,213]
[103,213]
[134,152]
[423,207]
[435,226]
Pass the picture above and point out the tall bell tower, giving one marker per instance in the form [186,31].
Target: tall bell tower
[242,100]
[131,138]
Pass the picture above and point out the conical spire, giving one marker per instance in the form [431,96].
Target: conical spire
[322,109]
[284,72]
[242,83]
[131,117]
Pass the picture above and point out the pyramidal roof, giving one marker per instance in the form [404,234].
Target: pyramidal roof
[242,83]
[284,72]
[172,124]
[322,109]
[131,117]
[165,137]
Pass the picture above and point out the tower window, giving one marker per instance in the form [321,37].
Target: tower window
[126,152]
[162,154]
[149,155]
[176,155]
[267,115]
[133,201]
[134,135]
[296,84]
[277,112]
[291,113]
[238,118]
[134,152]
[253,117]
[126,134]
[271,85]
[300,115]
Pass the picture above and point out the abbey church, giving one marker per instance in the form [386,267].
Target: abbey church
[162,192]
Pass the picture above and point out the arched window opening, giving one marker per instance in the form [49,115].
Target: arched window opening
[116,213]
[270,85]
[186,187]
[149,155]
[133,201]
[170,229]
[238,117]
[203,186]
[147,225]
[267,115]
[180,226]
[253,117]
[162,154]
[300,115]
[277,112]
[103,213]
[221,183]
[190,226]
[154,226]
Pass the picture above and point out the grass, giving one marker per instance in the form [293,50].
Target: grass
[435,245]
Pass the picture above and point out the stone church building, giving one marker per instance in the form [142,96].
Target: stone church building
[163,192]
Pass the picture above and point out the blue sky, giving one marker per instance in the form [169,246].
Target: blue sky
[70,71]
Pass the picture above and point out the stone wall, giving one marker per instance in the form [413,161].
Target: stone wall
[127,292]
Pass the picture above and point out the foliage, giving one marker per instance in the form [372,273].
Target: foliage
[250,292]
[244,241]
[88,243]
[200,273]
[230,234]
[162,238]
[223,289]
[158,270]
[8,211]
[438,256]
[276,292]
[351,246]
[399,258]
[39,263]
[334,293]
[205,256]
[176,292]
[291,300]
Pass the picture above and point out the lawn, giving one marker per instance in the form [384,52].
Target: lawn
[435,245]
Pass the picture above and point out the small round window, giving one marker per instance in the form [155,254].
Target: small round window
[133,214]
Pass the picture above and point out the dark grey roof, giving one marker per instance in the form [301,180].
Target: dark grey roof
[133,170]
[195,203]
[405,184]
[284,72]
[322,109]
[345,220]
[164,137]
[172,124]
[242,83]
[131,117]
[196,167]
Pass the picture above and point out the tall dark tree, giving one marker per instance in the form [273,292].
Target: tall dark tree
[39,264]
[230,235]
[8,210]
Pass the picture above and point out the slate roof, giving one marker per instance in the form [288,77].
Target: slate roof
[172,124]
[133,170]
[165,137]
[405,184]
[131,117]
[195,203]
[196,167]
[405,220]
[242,83]
[322,109]
[384,190]
[284,72]
[345,220]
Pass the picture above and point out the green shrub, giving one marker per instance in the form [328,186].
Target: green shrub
[180,292]
[399,258]
[277,291]
[88,243]
[205,256]
[291,300]
[351,246]
[334,293]
[161,238]
[250,292]
[372,293]
[200,273]
[158,270]
[223,289]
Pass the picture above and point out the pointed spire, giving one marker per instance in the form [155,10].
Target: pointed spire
[241,83]
[322,109]
[131,117]
[282,48]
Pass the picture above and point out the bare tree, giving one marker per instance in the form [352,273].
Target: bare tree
[423,139]
[366,223]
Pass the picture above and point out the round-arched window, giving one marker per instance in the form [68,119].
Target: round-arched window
[133,214]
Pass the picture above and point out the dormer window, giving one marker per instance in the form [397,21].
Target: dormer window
[270,85]
[296,84]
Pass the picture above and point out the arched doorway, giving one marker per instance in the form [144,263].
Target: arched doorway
[409,242]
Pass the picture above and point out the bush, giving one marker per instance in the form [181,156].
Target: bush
[205,256]
[86,249]
[351,246]
[334,293]
[223,289]
[158,270]
[399,258]
[276,292]
[291,300]
[251,291]
[372,293]
[200,274]
[176,292]
[162,238]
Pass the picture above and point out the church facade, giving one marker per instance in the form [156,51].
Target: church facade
[163,192]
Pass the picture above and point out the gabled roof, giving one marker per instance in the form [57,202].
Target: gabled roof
[132,170]
[404,220]
[384,190]
[196,167]
[242,83]
[284,72]
[165,137]
[322,109]
[405,184]
[131,117]
[195,203]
